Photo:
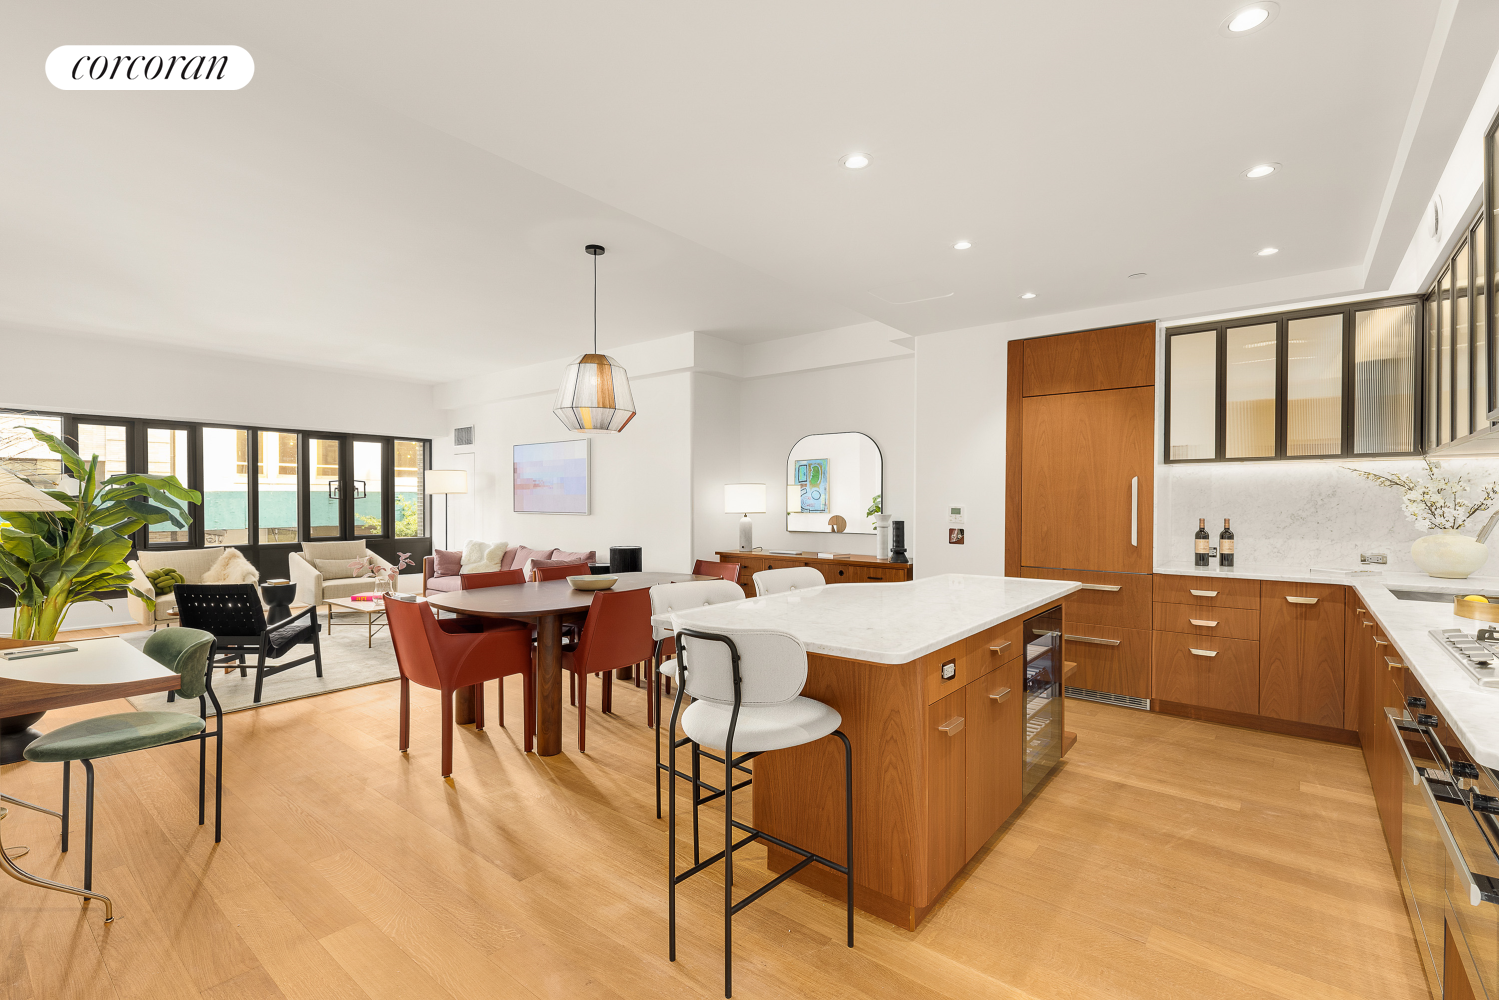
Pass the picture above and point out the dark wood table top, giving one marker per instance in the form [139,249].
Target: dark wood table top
[533,600]
[99,670]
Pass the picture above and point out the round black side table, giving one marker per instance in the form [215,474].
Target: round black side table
[278,598]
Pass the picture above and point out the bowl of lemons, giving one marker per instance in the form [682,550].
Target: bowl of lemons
[1475,606]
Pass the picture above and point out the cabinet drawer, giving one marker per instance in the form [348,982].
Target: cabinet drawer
[1320,593]
[1207,591]
[874,574]
[1229,623]
[1115,660]
[1207,671]
[1118,599]
[971,658]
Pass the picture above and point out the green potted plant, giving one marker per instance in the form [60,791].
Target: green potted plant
[51,561]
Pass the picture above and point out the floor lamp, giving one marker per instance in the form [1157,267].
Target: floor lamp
[446,482]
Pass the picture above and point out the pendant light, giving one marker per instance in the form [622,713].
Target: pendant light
[595,395]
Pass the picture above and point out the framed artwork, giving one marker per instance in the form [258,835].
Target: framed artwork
[812,478]
[551,477]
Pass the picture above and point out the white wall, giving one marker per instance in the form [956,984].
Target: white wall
[775,412]
[715,462]
[640,480]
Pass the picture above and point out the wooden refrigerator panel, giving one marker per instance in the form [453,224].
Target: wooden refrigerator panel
[1115,358]
[1079,454]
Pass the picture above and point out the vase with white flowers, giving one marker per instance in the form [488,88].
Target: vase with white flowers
[1442,503]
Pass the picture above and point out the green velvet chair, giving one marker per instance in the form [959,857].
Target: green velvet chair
[185,651]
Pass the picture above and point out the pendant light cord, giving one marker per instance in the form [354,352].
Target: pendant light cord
[595,304]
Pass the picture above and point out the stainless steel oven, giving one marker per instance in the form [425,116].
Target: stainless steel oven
[1041,733]
[1449,855]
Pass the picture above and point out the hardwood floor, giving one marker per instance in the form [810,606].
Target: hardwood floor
[1167,858]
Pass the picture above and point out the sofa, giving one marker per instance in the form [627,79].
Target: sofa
[191,563]
[312,587]
[434,584]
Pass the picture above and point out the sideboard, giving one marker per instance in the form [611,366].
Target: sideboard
[836,569]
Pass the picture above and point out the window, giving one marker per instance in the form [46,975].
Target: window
[166,455]
[21,454]
[111,442]
[1460,376]
[276,489]
[1324,384]
[324,489]
[226,486]
[410,489]
[369,476]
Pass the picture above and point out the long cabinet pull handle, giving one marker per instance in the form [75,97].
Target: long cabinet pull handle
[1003,694]
[1302,600]
[1202,652]
[1089,638]
[1204,624]
[1000,649]
[1098,586]
[1203,593]
[1134,511]
[952,726]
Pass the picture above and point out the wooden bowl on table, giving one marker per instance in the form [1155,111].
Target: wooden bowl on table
[602,582]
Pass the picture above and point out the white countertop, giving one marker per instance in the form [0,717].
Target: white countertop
[883,622]
[1471,711]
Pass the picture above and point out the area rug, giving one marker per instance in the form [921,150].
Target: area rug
[347,662]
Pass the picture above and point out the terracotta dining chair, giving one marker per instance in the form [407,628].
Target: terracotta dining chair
[727,570]
[483,581]
[617,634]
[545,573]
[455,653]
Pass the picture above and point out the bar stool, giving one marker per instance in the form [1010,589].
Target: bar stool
[779,581]
[745,686]
[665,599]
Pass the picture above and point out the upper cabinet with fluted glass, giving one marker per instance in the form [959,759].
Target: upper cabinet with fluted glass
[1328,383]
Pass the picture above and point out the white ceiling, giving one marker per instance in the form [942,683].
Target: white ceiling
[406,188]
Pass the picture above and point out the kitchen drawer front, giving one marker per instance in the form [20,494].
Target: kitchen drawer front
[1207,591]
[971,658]
[1229,623]
[1303,593]
[875,574]
[1118,599]
[1117,661]
[1207,671]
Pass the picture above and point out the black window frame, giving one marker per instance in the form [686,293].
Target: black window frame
[1482,417]
[1282,321]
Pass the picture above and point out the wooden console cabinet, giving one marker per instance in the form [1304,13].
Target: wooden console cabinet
[843,569]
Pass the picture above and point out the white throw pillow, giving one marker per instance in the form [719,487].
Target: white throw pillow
[232,567]
[483,557]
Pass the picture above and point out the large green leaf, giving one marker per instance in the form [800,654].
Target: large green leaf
[68,455]
[24,545]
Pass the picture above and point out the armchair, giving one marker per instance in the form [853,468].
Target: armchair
[232,614]
[191,563]
[313,588]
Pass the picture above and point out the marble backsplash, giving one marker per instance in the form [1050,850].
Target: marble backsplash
[1299,513]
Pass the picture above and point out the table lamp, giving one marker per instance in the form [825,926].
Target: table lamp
[746,499]
[446,481]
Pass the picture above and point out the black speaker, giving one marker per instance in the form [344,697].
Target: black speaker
[624,559]
[898,542]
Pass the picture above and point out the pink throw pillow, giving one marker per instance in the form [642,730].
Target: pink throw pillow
[537,564]
[446,563]
[572,557]
[522,556]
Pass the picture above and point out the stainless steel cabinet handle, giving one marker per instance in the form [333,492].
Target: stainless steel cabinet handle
[1204,624]
[1134,511]
[1203,593]
[1202,652]
[952,726]
[1454,853]
[1302,600]
[1089,638]
[1000,649]
[1003,694]
[1097,586]
[1381,642]
[1390,661]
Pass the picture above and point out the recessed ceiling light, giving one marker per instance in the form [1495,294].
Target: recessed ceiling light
[1028,295]
[1250,18]
[855,161]
[1138,274]
[1268,251]
[961,245]
[1261,170]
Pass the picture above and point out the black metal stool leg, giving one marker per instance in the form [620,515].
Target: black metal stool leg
[728,865]
[697,795]
[848,829]
[88,828]
[67,774]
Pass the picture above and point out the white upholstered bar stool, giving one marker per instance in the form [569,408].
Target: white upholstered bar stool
[778,581]
[745,685]
[665,599]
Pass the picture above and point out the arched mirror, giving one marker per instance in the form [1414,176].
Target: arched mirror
[831,483]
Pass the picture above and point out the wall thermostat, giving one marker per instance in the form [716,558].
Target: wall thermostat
[955,515]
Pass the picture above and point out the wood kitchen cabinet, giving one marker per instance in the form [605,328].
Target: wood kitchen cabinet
[947,785]
[844,569]
[1301,652]
[1383,687]
[995,703]
[1115,660]
[1207,672]
[1114,358]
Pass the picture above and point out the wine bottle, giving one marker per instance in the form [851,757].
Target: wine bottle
[1201,547]
[1226,545]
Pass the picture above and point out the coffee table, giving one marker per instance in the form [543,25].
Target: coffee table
[373,611]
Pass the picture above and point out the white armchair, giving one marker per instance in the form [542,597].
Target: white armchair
[191,563]
[312,586]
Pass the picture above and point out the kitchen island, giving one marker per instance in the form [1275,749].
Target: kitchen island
[949,689]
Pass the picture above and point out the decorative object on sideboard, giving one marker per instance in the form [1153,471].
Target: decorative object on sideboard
[837,523]
[1444,504]
[625,559]
[595,396]
[898,542]
[745,499]
[882,536]
[446,482]
[551,477]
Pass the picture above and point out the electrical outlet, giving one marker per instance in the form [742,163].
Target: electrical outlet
[1373,557]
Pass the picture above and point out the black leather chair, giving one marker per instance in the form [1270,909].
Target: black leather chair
[233,614]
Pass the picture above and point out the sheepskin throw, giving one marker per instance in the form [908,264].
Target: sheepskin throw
[483,557]
[232,567]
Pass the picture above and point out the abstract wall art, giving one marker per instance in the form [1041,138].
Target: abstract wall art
[812,478]
[551,477]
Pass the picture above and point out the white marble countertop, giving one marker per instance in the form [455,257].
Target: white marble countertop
[883,622]
[1292,574]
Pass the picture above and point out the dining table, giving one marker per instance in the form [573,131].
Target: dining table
[547,605]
